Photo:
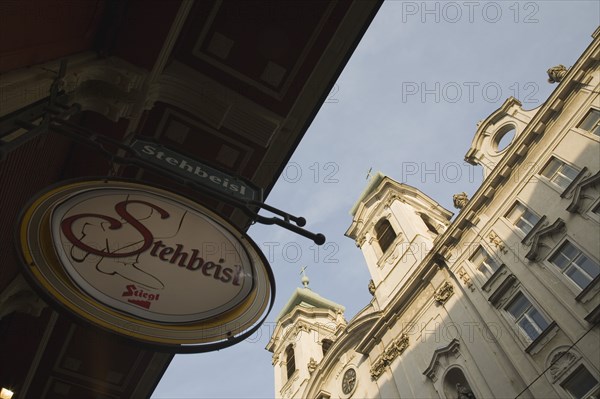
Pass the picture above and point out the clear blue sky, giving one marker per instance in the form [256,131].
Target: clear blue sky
[407,104]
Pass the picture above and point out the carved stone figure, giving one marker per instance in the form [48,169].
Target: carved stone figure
[556,73]
[460,200]
[312,365]
[371,287]
[464,392]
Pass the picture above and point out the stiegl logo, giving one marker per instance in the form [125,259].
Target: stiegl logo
[146,297]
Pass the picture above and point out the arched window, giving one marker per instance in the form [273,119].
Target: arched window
[385,234]
[429,223]
[326,344]
[290,360]
[456,384]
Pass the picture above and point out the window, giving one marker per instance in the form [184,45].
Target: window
[290,361]
[596,209]
[385,234]
[428,222]
[591,122]
[528,319]
[522,217]
[559,172]
[484,262]
[575,265]
[326,344]
[580,384]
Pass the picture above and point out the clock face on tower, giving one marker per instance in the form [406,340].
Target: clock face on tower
[349,381]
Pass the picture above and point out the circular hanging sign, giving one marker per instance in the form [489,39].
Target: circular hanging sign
[146,263]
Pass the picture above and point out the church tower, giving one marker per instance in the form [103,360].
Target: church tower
[306,328]
[395,226]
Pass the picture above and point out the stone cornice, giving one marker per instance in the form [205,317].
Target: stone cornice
[392,191]
[578,186]
[452,348]
[556,227]
[522,144]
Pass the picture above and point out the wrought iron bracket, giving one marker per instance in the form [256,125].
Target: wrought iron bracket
[54,113]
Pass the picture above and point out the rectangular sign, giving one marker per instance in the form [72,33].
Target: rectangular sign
[194,170]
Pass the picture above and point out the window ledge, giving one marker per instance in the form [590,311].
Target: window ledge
[537,344]
[499,293]
[494,278]
[589,291]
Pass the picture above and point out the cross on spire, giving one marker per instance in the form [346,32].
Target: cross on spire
[305,281]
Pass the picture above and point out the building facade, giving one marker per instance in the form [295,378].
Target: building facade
[503,301]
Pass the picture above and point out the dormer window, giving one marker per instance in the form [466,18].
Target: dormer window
[290,360]
[385,234]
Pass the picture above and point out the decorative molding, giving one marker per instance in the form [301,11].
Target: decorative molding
[557,73]
[391,200]
[497,242]
[502,270]
[394,252]
[462,273]
[300,326]
[561,361]
[499,296]
[19,297]
[395,349]
[536,227]
[557,227]
[371,287]
[312,365]
[578,188]
[453,348]
[344,361]
[360,241]
[569,191]
[275,359]
[286,390]
[460,200]
[111,87]
[594,316]
[444,293]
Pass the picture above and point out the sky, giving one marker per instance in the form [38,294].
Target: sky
[407,104]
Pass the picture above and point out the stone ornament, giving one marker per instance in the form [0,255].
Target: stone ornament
[497,242]
[443,293]
[395,349]
[560,363]
[460,200]
[371,287]
[462,273]
[463,392]
[557,73]
[312,365]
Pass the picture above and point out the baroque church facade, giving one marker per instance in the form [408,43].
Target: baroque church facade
[503,301]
